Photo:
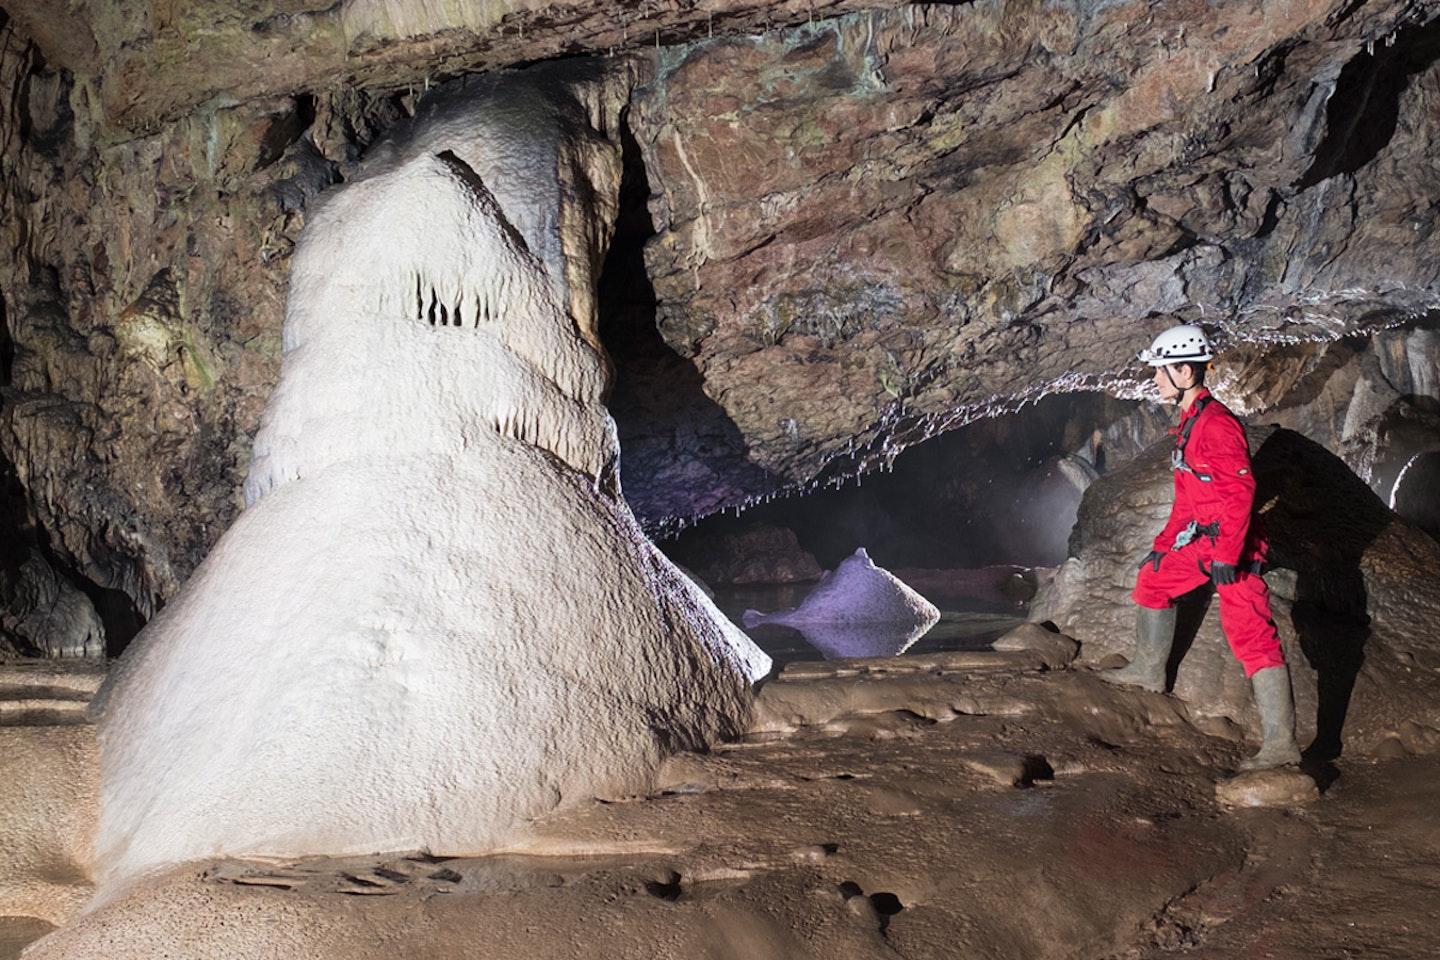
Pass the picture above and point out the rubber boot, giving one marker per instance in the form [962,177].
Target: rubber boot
[1154,633]
[1277,720]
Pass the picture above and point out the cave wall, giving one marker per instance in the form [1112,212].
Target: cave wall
[143,284]
[844,235]
[901,221]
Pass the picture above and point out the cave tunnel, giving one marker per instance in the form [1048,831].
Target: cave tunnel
[999,491]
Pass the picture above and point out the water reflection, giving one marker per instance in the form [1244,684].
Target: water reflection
[965,624]
[838,640]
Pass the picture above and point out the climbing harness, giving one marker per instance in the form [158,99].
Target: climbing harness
[1255,568]
[1194,529]
[1177,456]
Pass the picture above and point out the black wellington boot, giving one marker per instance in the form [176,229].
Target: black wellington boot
[1277,720]
[1154,633]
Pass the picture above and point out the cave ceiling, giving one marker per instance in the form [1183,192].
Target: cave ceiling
[154,61]
[845,226]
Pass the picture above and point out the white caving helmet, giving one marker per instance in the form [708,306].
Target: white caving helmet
[1183,344]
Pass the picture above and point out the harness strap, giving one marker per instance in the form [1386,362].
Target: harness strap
[1177,456]
[1255,568]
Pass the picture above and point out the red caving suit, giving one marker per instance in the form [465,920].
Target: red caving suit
[1216,448]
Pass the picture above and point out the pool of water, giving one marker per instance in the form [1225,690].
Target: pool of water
[966,623]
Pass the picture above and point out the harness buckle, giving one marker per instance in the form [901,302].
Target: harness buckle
[1195,529]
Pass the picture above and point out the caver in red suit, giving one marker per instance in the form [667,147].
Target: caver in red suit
[1211,520]
[1212,536]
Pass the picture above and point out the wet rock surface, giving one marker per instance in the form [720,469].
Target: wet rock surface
[147,66]
[857,232]
[902,221]
[861,232]
[1282,787]
[1057,649]
[143,288]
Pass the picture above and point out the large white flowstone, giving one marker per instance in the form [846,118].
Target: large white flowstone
[437,619]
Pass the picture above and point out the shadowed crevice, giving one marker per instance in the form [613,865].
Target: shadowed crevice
[1364,111]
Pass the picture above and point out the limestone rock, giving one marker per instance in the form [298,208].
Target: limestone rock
[756,553]
[143,295]
[1057,649]
[924,216]
[152,66]
[1374,402]
[1281,787]
[1006,769]
[41,611]
[944,209]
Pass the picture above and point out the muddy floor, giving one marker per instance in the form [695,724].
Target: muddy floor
[960,805]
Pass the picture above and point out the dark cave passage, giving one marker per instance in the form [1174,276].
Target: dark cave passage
[1364,111]
[1002,491]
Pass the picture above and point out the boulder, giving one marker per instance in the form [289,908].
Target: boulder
[1056,649]
[754,553]
[42,612]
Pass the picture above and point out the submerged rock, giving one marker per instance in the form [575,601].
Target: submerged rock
[856,610]
[42,611]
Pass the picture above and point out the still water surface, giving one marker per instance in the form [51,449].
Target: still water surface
[966,623]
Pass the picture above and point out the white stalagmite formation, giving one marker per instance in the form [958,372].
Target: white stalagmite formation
[857,610]
[436,619]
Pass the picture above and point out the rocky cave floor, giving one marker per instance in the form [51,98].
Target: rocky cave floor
[954,805]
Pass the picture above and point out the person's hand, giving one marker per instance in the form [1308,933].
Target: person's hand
[1223,574]
[1154,558]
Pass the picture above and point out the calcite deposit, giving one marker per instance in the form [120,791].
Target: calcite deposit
[835,229]
[436,619]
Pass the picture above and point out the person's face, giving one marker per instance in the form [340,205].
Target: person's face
[1173,380]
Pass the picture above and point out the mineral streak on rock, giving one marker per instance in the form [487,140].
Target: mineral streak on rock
[436,619]
[866,229]
[150,66]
